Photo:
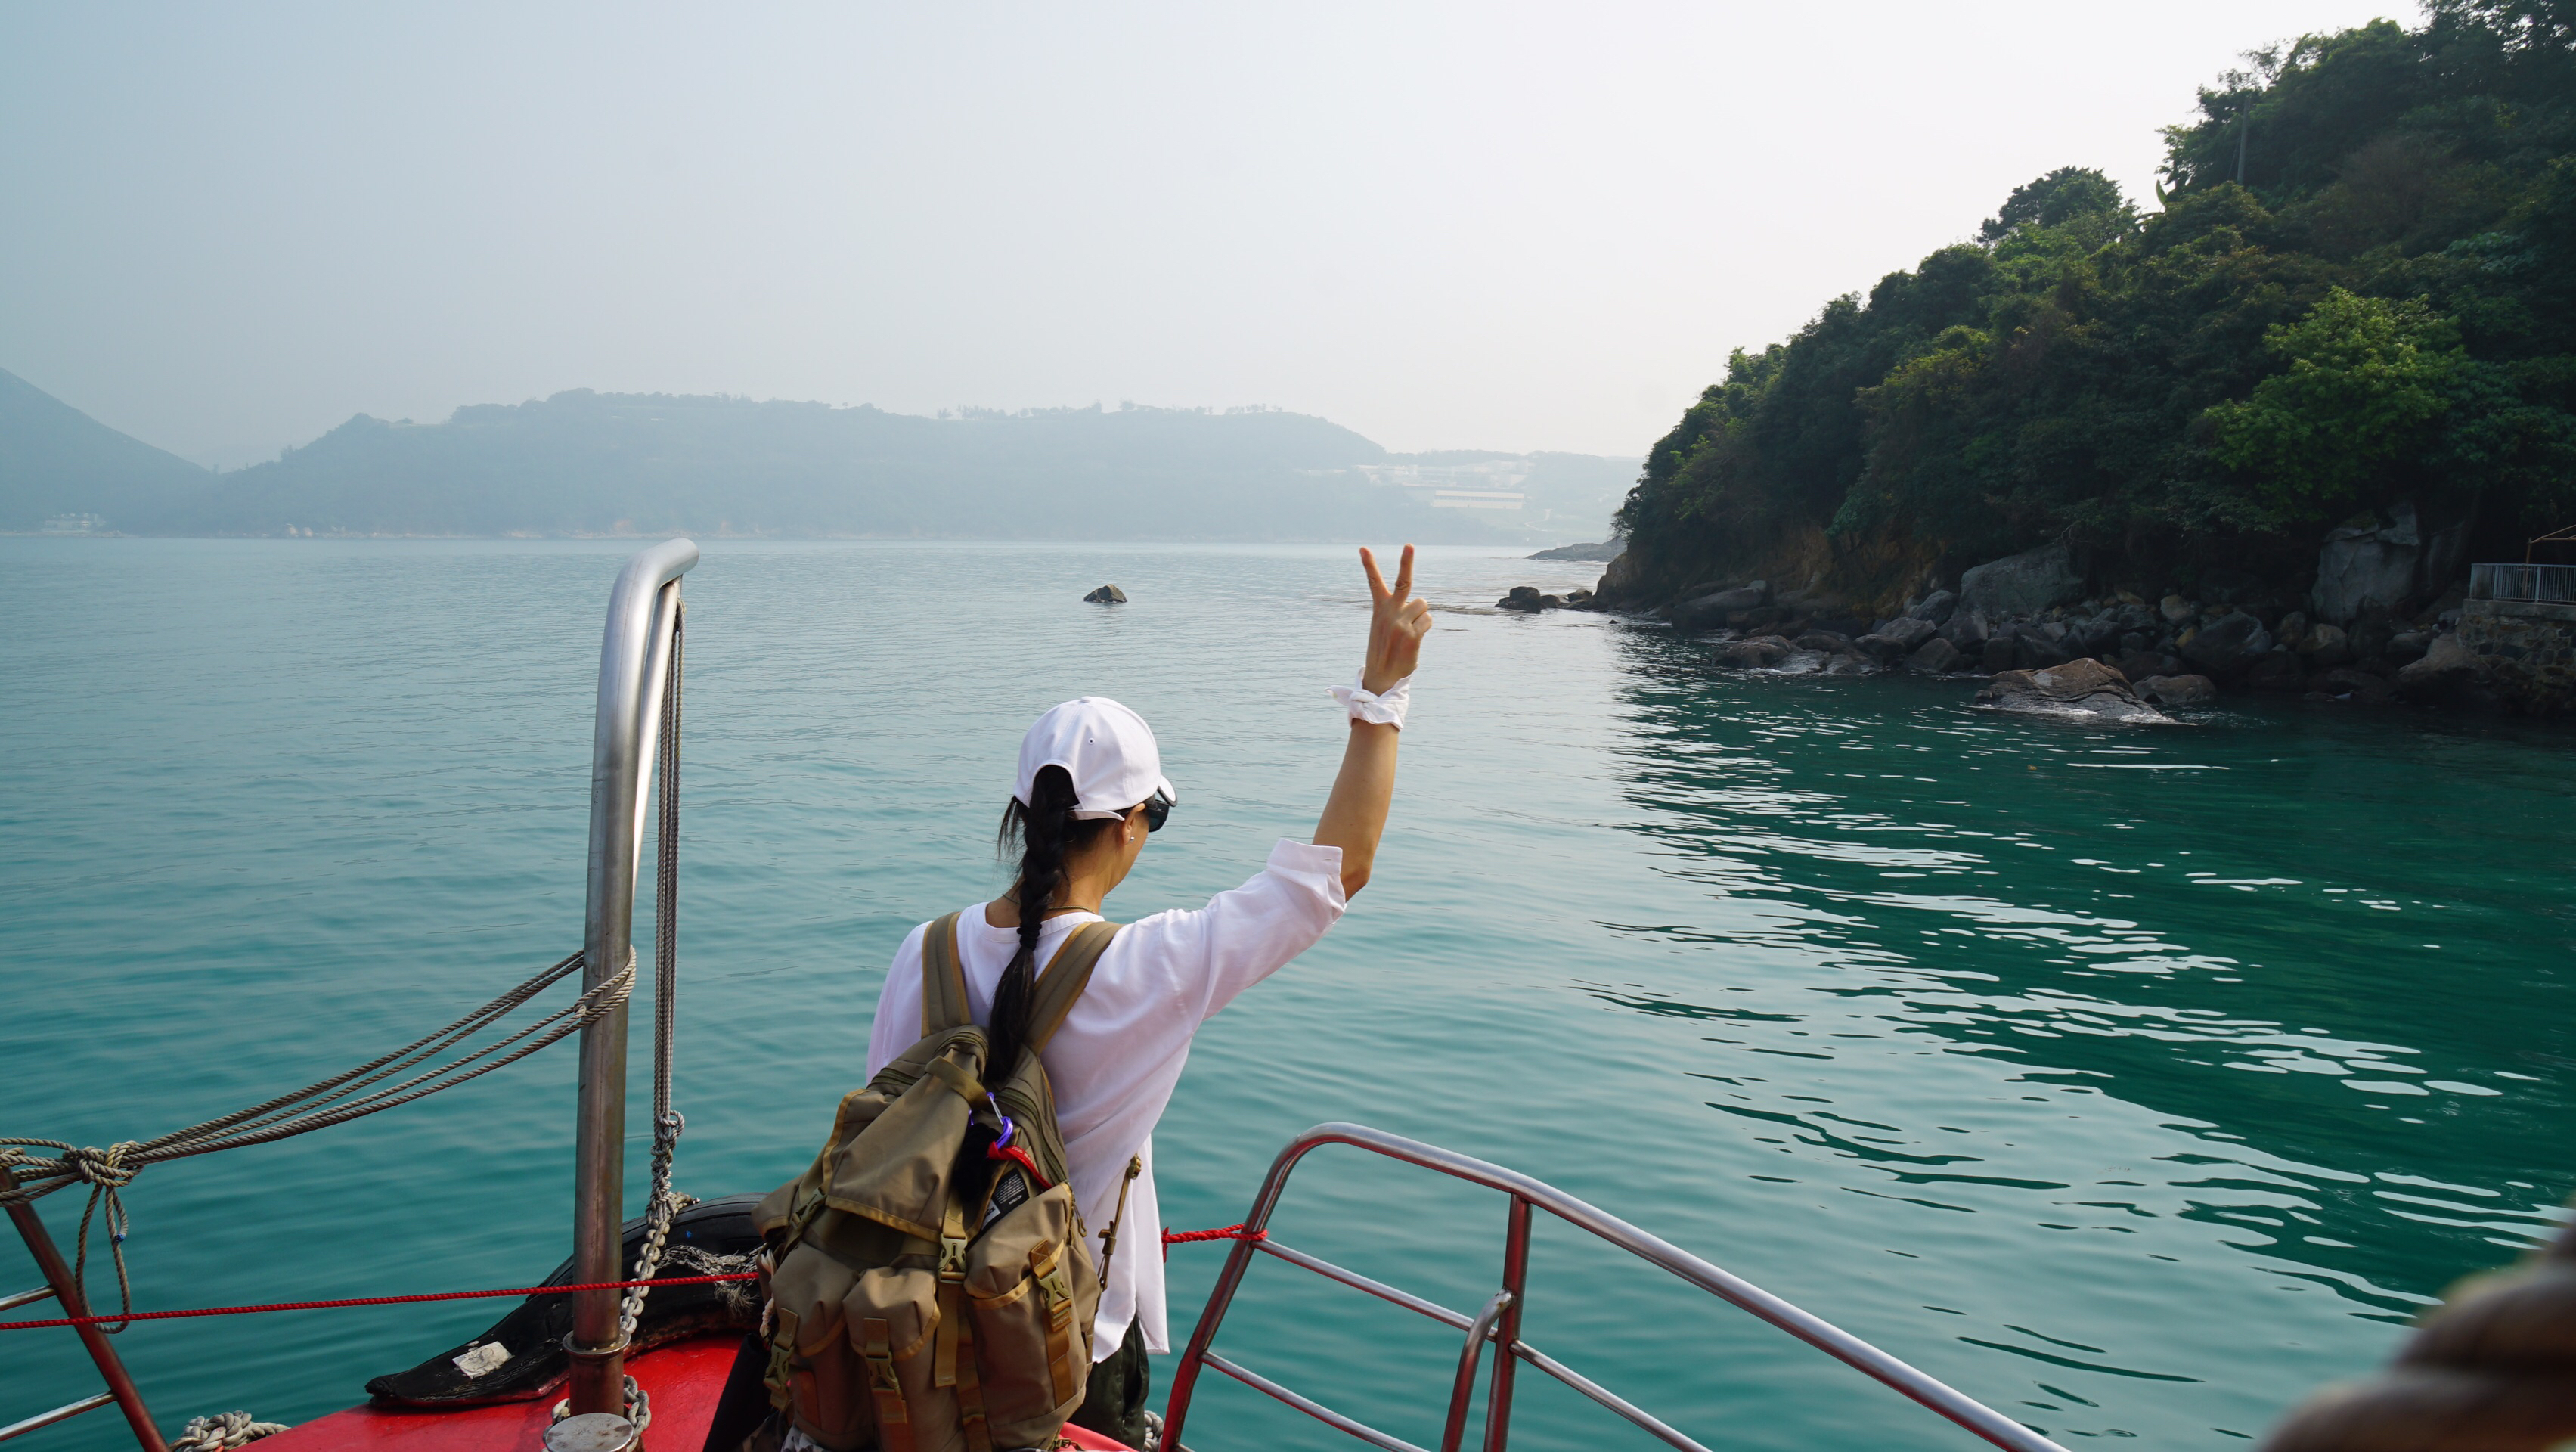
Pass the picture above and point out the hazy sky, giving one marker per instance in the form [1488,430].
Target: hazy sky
[227,228]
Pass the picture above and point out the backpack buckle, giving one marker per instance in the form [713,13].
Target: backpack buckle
[952,1258]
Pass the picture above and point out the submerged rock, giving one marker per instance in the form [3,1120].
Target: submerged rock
[1758,653]
[2082,690]
[1107,595]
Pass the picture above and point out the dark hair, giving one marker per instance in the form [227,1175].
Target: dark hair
[1044,832]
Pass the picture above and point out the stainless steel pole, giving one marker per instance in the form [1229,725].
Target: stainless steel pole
[634,655]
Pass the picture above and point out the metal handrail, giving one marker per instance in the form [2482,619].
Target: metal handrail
[1501,1319]
[634,659]
[2538,584]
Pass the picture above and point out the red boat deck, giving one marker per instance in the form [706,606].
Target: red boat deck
[684,1381]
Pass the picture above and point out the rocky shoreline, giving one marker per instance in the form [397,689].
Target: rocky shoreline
[2371,629]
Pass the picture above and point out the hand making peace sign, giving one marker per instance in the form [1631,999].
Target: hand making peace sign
[1397,623]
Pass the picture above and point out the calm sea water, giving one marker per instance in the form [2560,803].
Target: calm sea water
[2134,1083]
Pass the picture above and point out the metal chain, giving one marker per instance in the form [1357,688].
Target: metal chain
[663,1202]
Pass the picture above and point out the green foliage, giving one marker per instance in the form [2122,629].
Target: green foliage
[2383,309]
[2366,380]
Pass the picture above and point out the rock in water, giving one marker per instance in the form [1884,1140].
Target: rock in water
[1755,654]
[1935,657]
[2023,584]
[2177,690]
[2083,690]
[1107,595]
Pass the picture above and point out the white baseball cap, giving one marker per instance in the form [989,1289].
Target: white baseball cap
[1107,749]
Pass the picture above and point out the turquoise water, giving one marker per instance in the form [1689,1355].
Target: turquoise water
[2134,1083]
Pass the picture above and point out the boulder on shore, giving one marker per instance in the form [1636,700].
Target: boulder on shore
[1898,637]
[2276,670]
[2345,683]
[2325,645]
[1708,611]
[1935,607]
[2229,641]
[2360,563]
[1935,657]
[1967,630]
[2023,584]
[2177,690]
[2137,665]
[2448,668]
[2082,690]
[1107,595]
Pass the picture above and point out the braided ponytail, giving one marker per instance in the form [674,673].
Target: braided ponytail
[1045,832]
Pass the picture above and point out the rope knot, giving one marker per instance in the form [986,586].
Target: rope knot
[105,1168]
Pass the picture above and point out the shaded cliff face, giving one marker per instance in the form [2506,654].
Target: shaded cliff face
[2383,312]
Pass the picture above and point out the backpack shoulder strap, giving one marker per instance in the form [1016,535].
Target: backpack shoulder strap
[943,979]
[1066,974]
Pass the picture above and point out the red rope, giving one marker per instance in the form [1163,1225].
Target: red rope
[374,1301]
[1170,1239]
[1227,1232]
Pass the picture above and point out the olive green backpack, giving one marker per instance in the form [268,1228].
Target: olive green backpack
[932,1290]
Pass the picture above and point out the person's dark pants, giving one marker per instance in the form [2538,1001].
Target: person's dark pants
[1113,1405]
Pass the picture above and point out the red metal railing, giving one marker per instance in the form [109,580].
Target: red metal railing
[1500,1321]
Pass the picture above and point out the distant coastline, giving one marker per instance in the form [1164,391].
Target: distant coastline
[583,465]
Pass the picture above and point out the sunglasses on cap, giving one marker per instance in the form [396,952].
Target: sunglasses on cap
[1158,810]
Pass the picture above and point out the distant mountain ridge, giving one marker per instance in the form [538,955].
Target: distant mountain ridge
[584,463]
[56,460]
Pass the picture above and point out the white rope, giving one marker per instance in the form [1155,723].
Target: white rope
[223,1432]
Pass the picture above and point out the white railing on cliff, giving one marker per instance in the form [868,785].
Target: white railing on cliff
[2547,584]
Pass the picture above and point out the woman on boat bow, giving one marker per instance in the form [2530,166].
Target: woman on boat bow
[1090,794]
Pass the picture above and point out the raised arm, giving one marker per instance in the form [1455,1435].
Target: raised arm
[1355,814]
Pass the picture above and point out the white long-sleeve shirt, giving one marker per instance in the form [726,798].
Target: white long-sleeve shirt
[1119,1053]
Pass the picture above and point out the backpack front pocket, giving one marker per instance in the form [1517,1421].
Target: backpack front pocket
[810,1362]
[892,1316]
[1032,1293]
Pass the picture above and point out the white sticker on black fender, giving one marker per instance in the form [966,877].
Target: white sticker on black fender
[483,1359]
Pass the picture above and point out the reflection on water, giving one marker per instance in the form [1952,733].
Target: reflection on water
[2317,959]
[2133,1082]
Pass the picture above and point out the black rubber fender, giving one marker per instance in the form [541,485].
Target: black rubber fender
[707,1238]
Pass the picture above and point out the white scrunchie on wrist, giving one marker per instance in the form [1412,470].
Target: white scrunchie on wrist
[1382,708]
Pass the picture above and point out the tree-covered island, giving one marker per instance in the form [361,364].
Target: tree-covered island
[2352,316]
